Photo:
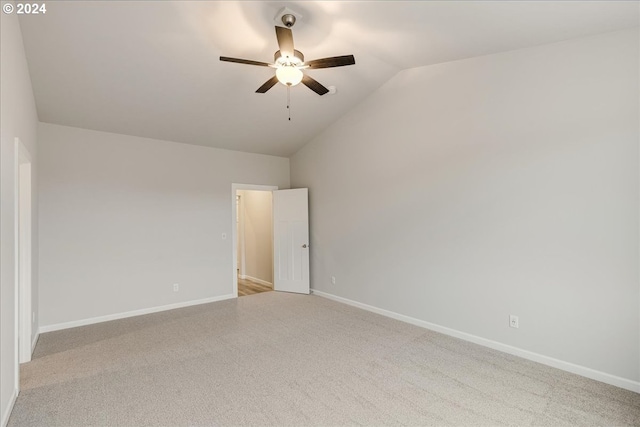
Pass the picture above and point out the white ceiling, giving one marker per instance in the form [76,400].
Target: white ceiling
[151,68]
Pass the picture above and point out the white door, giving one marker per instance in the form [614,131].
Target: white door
[291,241]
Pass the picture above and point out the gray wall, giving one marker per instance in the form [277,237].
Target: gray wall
[19,119]
[463,192]
[123,218]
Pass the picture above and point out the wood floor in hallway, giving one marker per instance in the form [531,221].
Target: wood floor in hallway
[247,287]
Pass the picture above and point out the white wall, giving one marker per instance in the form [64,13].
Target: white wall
[463,192]
[124,218]
[258,234]
[18,119]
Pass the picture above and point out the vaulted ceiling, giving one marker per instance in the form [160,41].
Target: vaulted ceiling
[151,68]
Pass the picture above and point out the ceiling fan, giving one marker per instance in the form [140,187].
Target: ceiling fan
[289,62]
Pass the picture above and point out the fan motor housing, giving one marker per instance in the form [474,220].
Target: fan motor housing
[297,59]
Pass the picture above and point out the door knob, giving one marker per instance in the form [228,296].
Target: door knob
[305,246]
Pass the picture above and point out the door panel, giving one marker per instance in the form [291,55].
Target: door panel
[291,241]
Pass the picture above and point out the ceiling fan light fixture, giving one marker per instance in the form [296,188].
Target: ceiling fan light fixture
[290,62]
[289,75]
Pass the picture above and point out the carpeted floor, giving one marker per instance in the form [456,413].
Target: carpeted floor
[282,359]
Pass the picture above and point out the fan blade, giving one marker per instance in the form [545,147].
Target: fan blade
[314,85]
[285,41]
[243,61]
[334,61]
[267,85]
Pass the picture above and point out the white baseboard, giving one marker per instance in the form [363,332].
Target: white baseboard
[525,354]
[116,316]
[35,341]
[9,408]
[255,279]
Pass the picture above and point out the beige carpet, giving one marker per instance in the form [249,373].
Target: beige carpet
[283,359]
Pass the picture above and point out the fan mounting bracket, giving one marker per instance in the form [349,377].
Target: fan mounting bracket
[286,17]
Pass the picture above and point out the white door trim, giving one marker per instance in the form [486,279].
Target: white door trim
[240,238]
[23,250]
[234,237]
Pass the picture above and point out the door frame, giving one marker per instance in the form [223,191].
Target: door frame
[234,228]
[23,251]
[240,237]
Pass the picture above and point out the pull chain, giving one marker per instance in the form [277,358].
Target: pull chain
[289,100]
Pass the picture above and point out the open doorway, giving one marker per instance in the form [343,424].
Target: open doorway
[252,239]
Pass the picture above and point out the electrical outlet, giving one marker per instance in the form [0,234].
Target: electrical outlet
[333,280]
[176,287]
[513,321]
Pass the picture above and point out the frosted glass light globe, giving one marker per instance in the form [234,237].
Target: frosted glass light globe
[289,75]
